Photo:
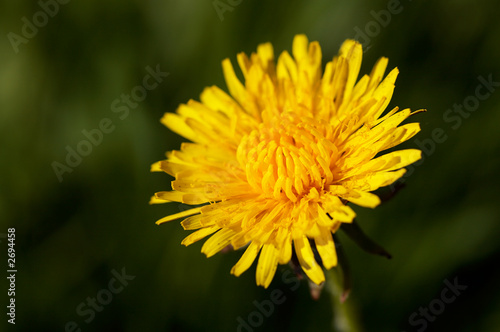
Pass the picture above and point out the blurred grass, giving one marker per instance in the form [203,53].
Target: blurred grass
[71,235]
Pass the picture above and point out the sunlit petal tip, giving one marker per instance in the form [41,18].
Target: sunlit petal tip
[156,167]
[179,215]
[155,200]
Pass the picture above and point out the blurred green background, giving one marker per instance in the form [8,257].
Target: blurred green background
[72,234]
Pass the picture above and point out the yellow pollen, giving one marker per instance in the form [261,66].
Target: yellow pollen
[286,160]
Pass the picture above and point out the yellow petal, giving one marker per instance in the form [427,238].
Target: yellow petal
[286,68]
[179,215]
[170,196]
[217,242]
[218,100]
[385,90]
[285,252]
[363,198]
[299,47]
[204,134]
[342,213]
[236,89]
[194,199]
[394,120]
[156,167]
[323,219]
[240,240]
[390,161]
[266,54]
[307,260]
[326,249]
[198,235]
[246,259]
[193,222]
[374,181]
[401,134]
[178,125]
[173,168]
[360,88]
[378,72]
[336,209]
[353,51]
[156,200]
[266,267]
[383,179]
[244,63]
[407,157]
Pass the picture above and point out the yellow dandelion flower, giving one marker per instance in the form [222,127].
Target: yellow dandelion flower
[278,158]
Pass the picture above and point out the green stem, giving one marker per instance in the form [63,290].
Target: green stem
[344,317]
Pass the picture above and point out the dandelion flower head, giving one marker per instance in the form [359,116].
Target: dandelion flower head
[275,162]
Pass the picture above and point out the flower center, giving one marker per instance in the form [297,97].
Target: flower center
[289,156]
